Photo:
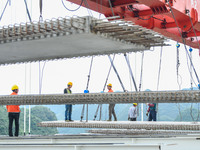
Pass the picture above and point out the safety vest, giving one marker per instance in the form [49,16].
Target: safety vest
[13,108]
[110,90]
[67,91]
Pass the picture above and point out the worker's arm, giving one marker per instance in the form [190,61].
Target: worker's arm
[148,109]
[129,113]
[151,105]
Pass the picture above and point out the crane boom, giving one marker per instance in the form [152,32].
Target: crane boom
[176,19]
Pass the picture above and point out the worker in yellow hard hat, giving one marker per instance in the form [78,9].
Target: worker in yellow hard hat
[132,113]
[13,113]
[111,106]
[68,107]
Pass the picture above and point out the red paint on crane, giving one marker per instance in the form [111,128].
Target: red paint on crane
[156,15]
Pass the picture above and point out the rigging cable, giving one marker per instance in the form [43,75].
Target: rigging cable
[25,105]
[88,8]
[108,74]
[4,9]
[72,9]
[184,44]
[87,91]
[100,9]
[159,68]
[111,7]
[185,48]
[122,85]
[177,66]
[194,32]
[40,4]
[130,71]
[140,84]
[190,71]
[100,105]
[41,76]
[130,76]
[178,75]
[158,81]
[191,108]
[29,16]
[141,72]
[30,105]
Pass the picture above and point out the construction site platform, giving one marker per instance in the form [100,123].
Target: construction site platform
[97,142]
[124,125]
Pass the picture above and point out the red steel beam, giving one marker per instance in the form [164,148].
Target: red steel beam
[116,3]
[162,20]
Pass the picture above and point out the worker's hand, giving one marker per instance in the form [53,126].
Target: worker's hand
[147,113]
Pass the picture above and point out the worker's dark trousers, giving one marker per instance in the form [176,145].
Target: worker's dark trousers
[112,112]
[133,119]
[13,116]
[68,112]
[152,115]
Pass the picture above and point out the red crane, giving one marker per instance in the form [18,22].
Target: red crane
[176,19]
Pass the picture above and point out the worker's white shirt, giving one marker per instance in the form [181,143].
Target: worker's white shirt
[132,113]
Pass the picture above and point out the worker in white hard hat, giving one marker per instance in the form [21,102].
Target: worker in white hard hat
[68,107]
[111,106]
[132,113]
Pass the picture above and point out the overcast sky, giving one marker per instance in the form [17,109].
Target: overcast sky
[58,73]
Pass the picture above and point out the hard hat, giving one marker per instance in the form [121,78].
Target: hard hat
[109,84]
[70,83]
[135,104]
[14,87]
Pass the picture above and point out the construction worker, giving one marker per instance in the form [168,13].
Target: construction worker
[151,112]
[68,107]
[132,113]
[13,113]
[111,106]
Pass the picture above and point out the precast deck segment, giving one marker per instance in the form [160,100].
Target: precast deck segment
[124,125]
[142,132]
[103,98]
[73,37]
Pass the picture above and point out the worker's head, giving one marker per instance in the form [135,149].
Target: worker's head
[15,88]
[69,85]
[135,104]
[109,86]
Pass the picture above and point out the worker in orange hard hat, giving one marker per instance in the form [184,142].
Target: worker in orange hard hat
[13,113]
[111,106]
[68,107]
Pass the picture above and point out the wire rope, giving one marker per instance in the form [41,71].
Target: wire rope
[27,11]
[141,72]
[184,44]
[4,9]
[194,31]
[72,9]
[178,75]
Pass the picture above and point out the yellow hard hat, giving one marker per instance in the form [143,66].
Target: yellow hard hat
[14,87]
[135,104]
[109,84]
[70,83]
